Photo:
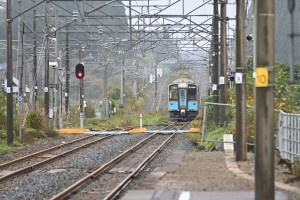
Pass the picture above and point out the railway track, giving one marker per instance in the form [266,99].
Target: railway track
[110,179]
[32,161]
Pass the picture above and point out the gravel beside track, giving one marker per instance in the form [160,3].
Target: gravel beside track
[51,179]
[199,171]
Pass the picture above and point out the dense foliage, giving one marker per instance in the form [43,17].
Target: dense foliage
[286,98]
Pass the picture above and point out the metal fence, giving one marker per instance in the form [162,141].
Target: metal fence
[286,127]
[217,115]
[288,136]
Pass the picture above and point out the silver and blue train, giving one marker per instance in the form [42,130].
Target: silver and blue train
[183,99]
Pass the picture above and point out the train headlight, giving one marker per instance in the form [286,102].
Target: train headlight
[182,112]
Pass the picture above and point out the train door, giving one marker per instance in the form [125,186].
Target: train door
[182,98]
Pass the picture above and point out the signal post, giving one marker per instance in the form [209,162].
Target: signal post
[79,72]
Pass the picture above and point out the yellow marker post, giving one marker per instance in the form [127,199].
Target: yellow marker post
[262,78]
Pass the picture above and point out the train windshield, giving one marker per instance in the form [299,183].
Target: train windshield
[173,94]
[192,92]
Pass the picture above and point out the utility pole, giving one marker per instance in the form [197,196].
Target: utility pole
[264,100]
[122,86]
[130,25]
[67,86]
[9,75]
[56,89]
[135,82]
[241,135]
[21,68]
[155,94]
[105,92]
[291,7]
[34,74]
[223,70]
[215,55]
[46,81]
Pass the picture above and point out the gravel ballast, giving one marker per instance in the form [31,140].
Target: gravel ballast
[198,171]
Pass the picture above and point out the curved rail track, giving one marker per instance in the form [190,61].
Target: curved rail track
[100,181]
[33,161]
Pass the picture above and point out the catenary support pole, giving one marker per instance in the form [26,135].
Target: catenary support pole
[291,8]
[155,93]
[46,80]
[264,100]
[215,54]
[223,67]
[122,86]
[67,86]
[56,88]
[34,70]
[240,80]
[9,75]
[20,66]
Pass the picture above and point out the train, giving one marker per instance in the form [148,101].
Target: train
[183,99]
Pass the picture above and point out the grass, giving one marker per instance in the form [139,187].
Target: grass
[28,137]
[131,119]
[4,148]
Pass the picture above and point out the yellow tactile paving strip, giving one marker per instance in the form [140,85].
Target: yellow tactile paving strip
[72,131]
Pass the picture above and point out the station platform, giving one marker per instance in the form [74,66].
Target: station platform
[202,176]
[186,195]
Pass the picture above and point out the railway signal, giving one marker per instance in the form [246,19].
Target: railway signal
[79,71]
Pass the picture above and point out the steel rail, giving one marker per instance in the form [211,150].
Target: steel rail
[34,166]
[85,180]
[116,191]
[43,151]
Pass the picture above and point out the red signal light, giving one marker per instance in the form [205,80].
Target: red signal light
[79,71]
[79,75]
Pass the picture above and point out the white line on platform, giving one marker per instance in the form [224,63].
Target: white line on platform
[184,196]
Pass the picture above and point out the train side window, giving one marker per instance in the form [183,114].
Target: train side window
[192,93]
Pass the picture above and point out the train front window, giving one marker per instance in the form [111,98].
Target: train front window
[174,94]
[182,94]
[192,93]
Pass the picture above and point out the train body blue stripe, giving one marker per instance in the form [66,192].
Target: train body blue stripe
[192,105]
[173,105]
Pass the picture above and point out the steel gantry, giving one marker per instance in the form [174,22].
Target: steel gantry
[112,32]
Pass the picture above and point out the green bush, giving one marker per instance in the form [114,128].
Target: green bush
[51,133]
[215,134]
[2,121]
[6,149]
[34,133]
[35,120]
[194,137]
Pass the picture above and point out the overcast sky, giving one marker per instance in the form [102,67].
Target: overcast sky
[186,6]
